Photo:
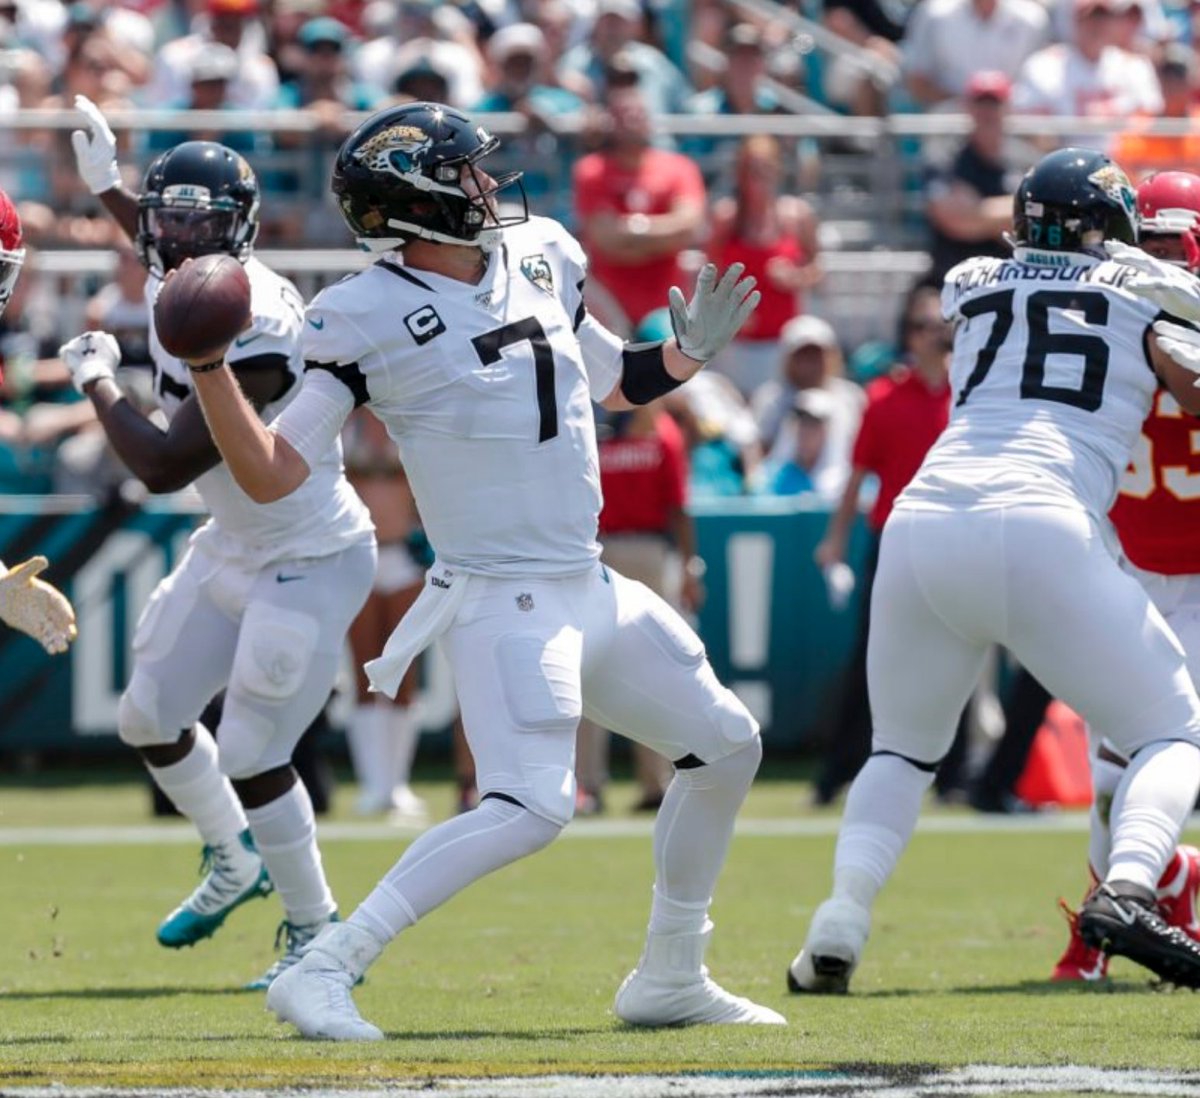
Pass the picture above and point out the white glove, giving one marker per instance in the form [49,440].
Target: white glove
[36,608]
[1171,288]
[717,310]
[89,357]
[1182,344]
[95,149]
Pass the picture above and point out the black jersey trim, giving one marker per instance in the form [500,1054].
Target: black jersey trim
[270,361]
[349,374]
[168,386]
[408,276]
[581,312]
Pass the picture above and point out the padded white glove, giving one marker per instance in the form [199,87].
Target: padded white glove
[706,324]
[95,149]
[34,607]
[1182,344]
[1171,288]
[90,357]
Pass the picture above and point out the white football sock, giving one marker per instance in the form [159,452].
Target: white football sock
[1106,776]
[196,786]
[369,736]
[403,731]
[691,838]
[1152,803]
[881,813]
[447,858]
[285,832]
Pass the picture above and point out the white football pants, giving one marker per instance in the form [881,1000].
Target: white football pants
[531,656]
[272,637]
[1041,581]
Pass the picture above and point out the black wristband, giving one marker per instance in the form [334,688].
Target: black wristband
[205,367]
[644,377]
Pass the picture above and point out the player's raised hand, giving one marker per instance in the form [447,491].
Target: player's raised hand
[34,607]
[705,325]
[95,149]
[90,357]
[1182,344]
[1171,288]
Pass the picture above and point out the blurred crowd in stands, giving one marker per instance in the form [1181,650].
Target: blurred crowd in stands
[592,80]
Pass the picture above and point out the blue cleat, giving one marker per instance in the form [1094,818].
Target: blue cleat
[233,873]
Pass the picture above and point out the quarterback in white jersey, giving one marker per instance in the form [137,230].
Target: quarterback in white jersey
[260,604]
[1002,538]
[470,341]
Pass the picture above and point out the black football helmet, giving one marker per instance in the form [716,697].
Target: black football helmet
[1072,201]
[399,177]
[198,198]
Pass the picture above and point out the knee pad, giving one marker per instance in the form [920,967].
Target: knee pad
[139,722]
[274,650]
[248,742]
[734,721]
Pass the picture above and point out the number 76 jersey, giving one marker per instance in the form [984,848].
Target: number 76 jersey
[487,390]
[1050,380]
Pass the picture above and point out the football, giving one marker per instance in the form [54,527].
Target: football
[202,306]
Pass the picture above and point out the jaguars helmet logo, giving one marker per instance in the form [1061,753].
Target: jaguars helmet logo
[537,270]
[396,149]
[1115,184]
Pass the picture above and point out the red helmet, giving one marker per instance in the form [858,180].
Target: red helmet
[1169,205]
[12,248]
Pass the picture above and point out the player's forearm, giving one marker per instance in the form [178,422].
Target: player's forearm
[139,443]
[264,465]
[122,206]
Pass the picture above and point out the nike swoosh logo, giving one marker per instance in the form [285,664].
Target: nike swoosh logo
[247,339]
[318,324]
[281,578]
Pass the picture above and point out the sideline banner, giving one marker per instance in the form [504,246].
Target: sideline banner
[770,630]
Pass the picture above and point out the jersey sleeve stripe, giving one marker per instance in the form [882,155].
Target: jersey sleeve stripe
[349,374]
[581,312]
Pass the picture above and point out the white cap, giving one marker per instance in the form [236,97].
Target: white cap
[806,331]
[627,9]
[517,38]
[815,402]
[215,61]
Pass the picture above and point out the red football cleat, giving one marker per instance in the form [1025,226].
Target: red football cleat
[1079,960]
[1177,891]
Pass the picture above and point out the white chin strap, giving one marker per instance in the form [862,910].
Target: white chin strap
[488,240]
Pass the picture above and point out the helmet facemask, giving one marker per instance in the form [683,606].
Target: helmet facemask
[10,268]
[185,222]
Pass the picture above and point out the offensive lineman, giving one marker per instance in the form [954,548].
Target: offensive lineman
[27,603]
[479,356]
[261,602]
[1002,537]
[1156,516]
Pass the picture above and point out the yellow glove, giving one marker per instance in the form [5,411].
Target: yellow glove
[34,607]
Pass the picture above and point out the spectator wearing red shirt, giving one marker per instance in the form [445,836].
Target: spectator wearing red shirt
[906,411]
[643,475]
[637,208]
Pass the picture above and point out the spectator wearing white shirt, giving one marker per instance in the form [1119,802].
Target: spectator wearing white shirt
[948,41]
[232,23]
[1089,77]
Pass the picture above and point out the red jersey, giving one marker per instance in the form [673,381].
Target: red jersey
[644,479]
[777,306]
[1157,513]
[661,181]
[902,420]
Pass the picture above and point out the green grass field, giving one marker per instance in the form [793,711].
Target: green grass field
[516,976]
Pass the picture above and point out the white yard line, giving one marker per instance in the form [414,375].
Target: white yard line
[979,1081]
[182,833]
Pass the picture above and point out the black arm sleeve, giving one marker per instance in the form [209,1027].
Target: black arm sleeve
[644,375]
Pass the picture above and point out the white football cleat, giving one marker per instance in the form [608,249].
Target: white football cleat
[671,987]
[408,810]
[314,994]
[836,939]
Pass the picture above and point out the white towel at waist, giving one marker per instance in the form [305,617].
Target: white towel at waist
[427,619]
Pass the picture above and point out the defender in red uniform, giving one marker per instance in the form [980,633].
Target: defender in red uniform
[1156,516]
